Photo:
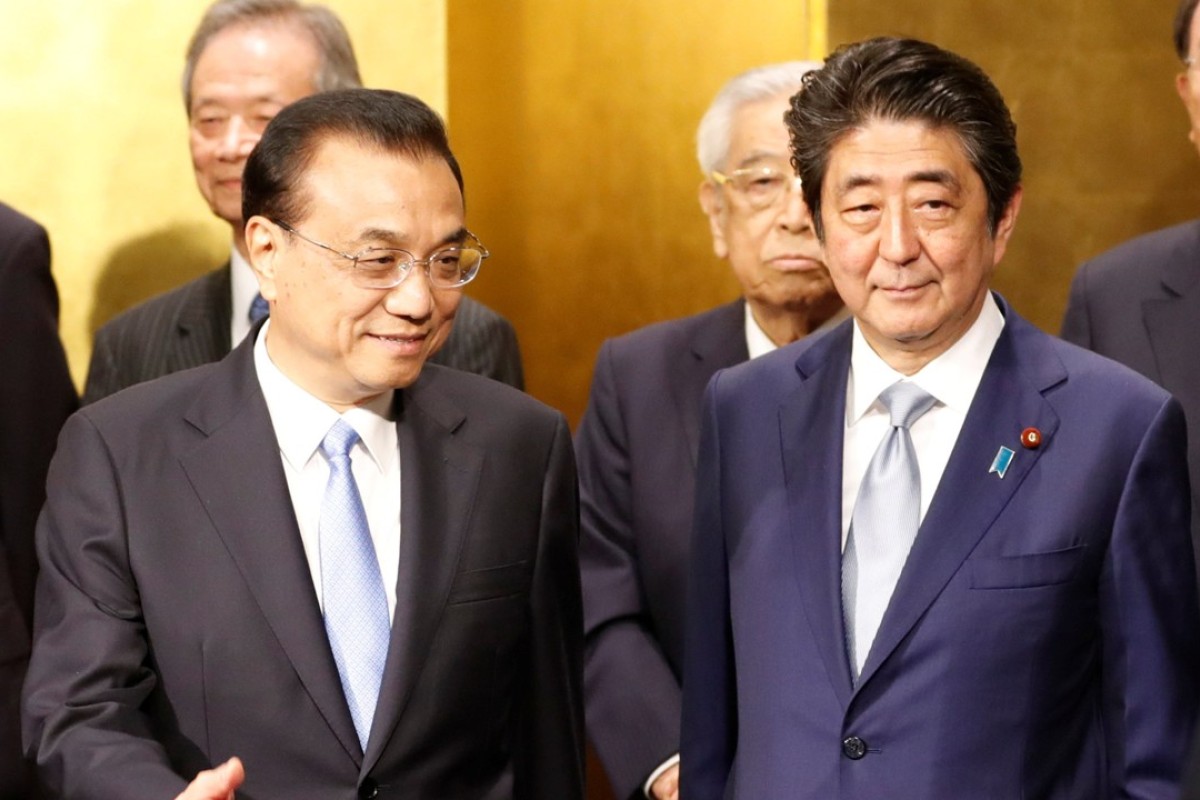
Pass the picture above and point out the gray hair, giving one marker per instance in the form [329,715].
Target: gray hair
[716,126]
[339,68]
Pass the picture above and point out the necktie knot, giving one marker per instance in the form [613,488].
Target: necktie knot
[259,308]
[906,403]
[338,442]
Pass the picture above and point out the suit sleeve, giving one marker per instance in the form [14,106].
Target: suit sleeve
[1149,618]
[709,727]
[632,694]
[550,761]
[90,673]
[1076,324]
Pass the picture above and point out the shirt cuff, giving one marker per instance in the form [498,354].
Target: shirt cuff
[663,767]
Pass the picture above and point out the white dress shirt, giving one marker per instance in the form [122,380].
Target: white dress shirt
[244,287]
[301,422]
[952,378]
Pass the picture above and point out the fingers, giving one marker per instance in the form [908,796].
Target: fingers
[218,783]
[666,786]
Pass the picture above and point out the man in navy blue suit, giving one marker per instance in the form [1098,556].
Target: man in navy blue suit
[637,443]
[1021,619]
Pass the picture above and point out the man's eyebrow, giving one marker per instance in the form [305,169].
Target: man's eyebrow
[398,238]
[758,156]
[941,177]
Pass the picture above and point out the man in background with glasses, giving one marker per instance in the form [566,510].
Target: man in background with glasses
[320,567]
[247,60]
[637,442]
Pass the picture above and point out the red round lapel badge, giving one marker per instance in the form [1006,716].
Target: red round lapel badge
[1031,438]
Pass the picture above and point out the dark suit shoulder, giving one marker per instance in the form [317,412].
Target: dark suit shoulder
[165,309]
[446,391]
[1140,264]
[15,225]
[672,333]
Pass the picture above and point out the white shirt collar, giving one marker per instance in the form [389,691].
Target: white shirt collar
[301,420]
[952,377]
[759,344]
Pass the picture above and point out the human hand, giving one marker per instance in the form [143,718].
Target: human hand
[217,783]
[666,786]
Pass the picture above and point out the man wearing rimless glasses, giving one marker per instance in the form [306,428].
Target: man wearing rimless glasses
[321,567]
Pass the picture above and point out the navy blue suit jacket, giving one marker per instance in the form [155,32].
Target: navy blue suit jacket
[1041,641]
[636,449]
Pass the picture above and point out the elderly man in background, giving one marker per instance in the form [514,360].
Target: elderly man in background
[247,60]
[636,446]
[938,553]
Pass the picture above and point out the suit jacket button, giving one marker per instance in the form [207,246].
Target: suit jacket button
[854,748]
[369,790]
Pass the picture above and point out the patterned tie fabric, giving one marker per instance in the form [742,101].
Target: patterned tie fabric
[259,308]
[884,523]
[356,612]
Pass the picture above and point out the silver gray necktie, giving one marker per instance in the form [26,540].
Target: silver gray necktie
[884,524]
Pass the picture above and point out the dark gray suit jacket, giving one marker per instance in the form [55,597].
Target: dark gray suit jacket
[636,449]
[189,326]
[36,399]
[177,622]
[1139,304]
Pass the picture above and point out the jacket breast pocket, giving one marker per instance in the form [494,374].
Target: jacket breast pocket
[1026,571]
[491,583]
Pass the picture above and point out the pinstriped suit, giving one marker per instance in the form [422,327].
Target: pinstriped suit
[189,326]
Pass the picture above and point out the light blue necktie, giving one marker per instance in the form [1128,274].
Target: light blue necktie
[259,308]
[356,612]
[884,524]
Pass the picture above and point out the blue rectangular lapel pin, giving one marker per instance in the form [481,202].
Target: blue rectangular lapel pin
[1000,463]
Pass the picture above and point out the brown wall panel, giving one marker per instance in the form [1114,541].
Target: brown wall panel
[1102,134]
[575,125]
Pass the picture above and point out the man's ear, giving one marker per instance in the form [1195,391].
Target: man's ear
[1004,227]
[263,242]
[714,208]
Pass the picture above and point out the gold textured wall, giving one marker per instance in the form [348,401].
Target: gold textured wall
[1102,133]
[94,142]
[575,123]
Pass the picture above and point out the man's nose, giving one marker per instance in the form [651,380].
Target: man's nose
[794,215]
[237,140]
[413,297]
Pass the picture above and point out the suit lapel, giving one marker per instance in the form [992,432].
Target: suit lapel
[237,474]
[717,341]
[1173,325]
[439,476]
[811,429]
[969,497]
[203,327]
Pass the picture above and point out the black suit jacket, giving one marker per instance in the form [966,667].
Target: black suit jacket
[189,326]
[36,398]
[636,449]
[178,624]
